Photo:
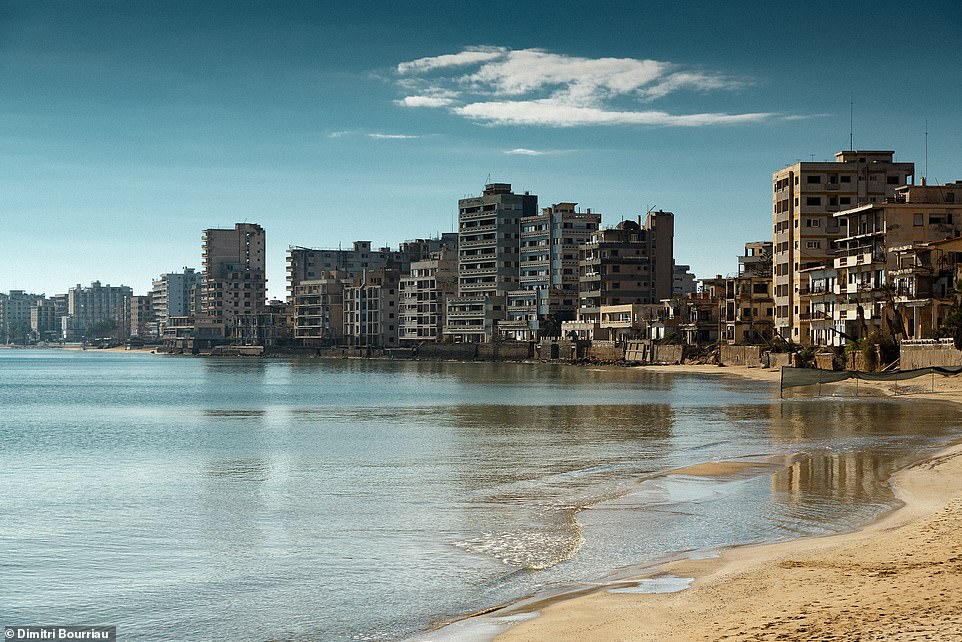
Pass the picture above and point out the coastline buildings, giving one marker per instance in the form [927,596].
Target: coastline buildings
[548,279]
[747,307]
[423,294]
[45,317]
[234,282]
[15,310]
[171,295]
[805,196]
[141,320]
[629,263]
[489,244]
[89,307]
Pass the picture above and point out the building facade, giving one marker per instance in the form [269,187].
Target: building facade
[423,293]
[171,295]
[548,279]
[234,280]
[96,306]
[489,262]
[630,263]
[805,197]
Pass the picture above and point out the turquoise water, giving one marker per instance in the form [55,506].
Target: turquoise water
[234,499]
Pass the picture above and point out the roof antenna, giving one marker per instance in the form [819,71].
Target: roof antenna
[926,149]
[851,124]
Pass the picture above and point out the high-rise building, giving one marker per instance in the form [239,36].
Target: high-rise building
[234,280]
[317,312]
[805,195]
[371,309]
[45,317]
[170,295]
[423,293]
[683,281]
[141,317]
[548,281]
[489,262]
[15,316]
[96,308]
[630,263]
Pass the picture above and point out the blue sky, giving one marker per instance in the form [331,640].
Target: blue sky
[126,128]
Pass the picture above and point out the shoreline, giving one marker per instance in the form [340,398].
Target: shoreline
[877,581]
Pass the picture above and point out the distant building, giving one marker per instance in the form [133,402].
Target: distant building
[423,294]
[96,306]
[141,322]
[15,309]
[683,280]
[747,305]
[234,280]
[489,265]
[805,196]
[171,295]
[45,317]
[630,263]
[317,309]
[548,280]
[371,309]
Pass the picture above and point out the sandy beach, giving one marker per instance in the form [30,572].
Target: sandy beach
[899,578]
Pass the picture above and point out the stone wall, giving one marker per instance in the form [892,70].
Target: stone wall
[448,351]
[605,351]
[740,355]
[505,351]
[929,354]
[779,359]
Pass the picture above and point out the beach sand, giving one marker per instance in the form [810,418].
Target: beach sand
[899,578]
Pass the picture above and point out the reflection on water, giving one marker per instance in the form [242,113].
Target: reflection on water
[275,499]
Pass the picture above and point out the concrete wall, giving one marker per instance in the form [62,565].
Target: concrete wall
[562,350]
[605,351]
[454,351]
[825,361]
[740,355]
[505,351]
[929,354]
[667,354]
[779,359]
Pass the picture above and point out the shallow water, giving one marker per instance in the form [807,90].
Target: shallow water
[239,499]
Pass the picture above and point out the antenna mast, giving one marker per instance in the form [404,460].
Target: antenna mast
[926,149]
[851,124]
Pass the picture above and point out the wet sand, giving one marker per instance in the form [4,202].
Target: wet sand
[900,578]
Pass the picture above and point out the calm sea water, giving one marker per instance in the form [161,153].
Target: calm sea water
[232,499]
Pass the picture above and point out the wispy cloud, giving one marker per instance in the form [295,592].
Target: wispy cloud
[521,151]
[501,86]
[392,136]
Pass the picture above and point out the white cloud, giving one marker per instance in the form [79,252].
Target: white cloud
[340,134]
[392,136]
[537,87]
[424,101]
[521,151]
[469,56]
[553,114]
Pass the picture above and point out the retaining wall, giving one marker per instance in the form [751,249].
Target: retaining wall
[928,354]
[740,355]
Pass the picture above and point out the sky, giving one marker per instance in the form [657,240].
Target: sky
[126,128]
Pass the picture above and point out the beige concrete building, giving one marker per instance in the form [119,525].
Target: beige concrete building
[15,309]
[867,271]
[317,314]
[747,307]
[87,306]
[805,196]
[234,280]
[423,293]
[45,317]
[630,263]
[171,295]
[141,317]
[925,278]
[371,309]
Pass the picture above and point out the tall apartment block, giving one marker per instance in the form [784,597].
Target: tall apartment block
[15,315]
[171,295]
[630,263]
[141,320]
[548,280]
[87,306]
[234,281]
[489,261]
[683,280]
[805,197]
[317,309]
[45,317]
[371,309]
[423,293]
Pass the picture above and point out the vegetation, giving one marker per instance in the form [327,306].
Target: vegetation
[102,328]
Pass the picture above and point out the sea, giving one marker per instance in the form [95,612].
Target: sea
[259,499]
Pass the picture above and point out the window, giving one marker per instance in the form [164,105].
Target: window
[845,179]
[892,180]
[917,220]
[844,200]
[813,200]
[813,179]
[813,245]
